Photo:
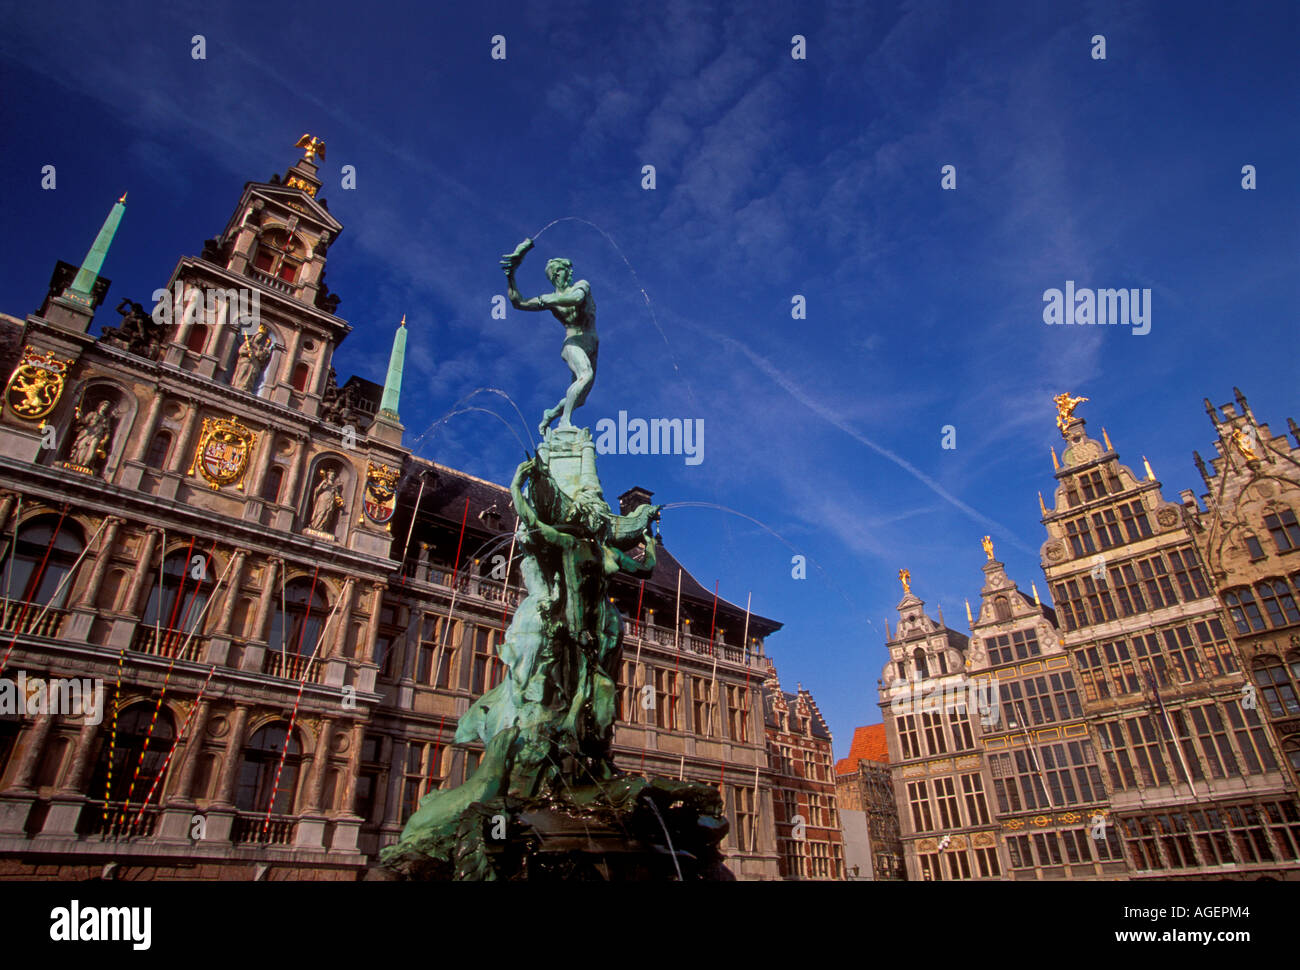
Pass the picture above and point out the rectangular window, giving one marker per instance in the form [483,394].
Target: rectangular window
[909,738]
[977,809]
[1127,589]
[487,668]
[438,642]
[918,798]
[1080,538]
[744,802]
[1047,848]
[934,739]
[1187,573]
[1106,525]
[1155,580]
[946,796]
[666,694]
[1136,525]
[986,863]
[959,721]
[1284,529]
[701,706]
[627,695]
[1018,848]
[738,712]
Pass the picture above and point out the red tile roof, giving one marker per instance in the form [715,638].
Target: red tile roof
[868,745]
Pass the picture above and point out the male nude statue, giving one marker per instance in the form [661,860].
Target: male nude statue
[573,306]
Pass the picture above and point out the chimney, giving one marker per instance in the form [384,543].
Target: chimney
[633,498]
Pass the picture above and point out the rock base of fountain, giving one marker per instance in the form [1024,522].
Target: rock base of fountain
[625,829]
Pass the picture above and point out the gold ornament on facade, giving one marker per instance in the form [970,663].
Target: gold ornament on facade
[36,384]
[988,546]
[1245,444]
[223,452]
[312,147]
[380,499]
[1065,405]
[294,182]
[905,577]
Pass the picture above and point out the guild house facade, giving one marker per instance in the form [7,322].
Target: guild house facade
[287,610]
[1144,727]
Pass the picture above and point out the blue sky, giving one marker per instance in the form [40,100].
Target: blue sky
[775,177]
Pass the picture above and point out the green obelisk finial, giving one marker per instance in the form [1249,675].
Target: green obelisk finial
[84,282]
[393,382]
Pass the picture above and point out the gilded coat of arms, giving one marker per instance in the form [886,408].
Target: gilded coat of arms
[381,492]
[36,384]
[223,452]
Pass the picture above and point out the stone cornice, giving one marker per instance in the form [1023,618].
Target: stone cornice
[87,494]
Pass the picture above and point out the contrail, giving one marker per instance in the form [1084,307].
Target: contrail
[830,416]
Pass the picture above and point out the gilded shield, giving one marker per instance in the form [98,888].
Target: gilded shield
[381,493]
[36,384]
[223,452]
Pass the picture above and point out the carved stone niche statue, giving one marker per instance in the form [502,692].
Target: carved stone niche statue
[326,502]
[254,353]
[139,334]
[92,436]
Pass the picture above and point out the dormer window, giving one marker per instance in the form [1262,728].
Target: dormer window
[280,255]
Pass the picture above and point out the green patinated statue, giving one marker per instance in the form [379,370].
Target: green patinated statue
[575,307]
[546,776]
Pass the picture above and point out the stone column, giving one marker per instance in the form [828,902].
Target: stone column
[187,317]
[268,599]
[76,776]
[31,755]
[143,571]
[289,494]
[366,650]
[148,428]
[290,358]
[193,752]
[347,828]
[343,619]
[320,764]
[253,488]
[230,764]
[233,584]
[90,591]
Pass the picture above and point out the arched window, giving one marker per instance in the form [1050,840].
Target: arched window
[274,480]
[186,584]
[279,254]
[297,627]
[257,771]
[301,372]
[124,749]
[45,553]
[1243,610]
[160,449]
[918,657]
[1278,602]
[1002,607]
[1275,685]
[198,338]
